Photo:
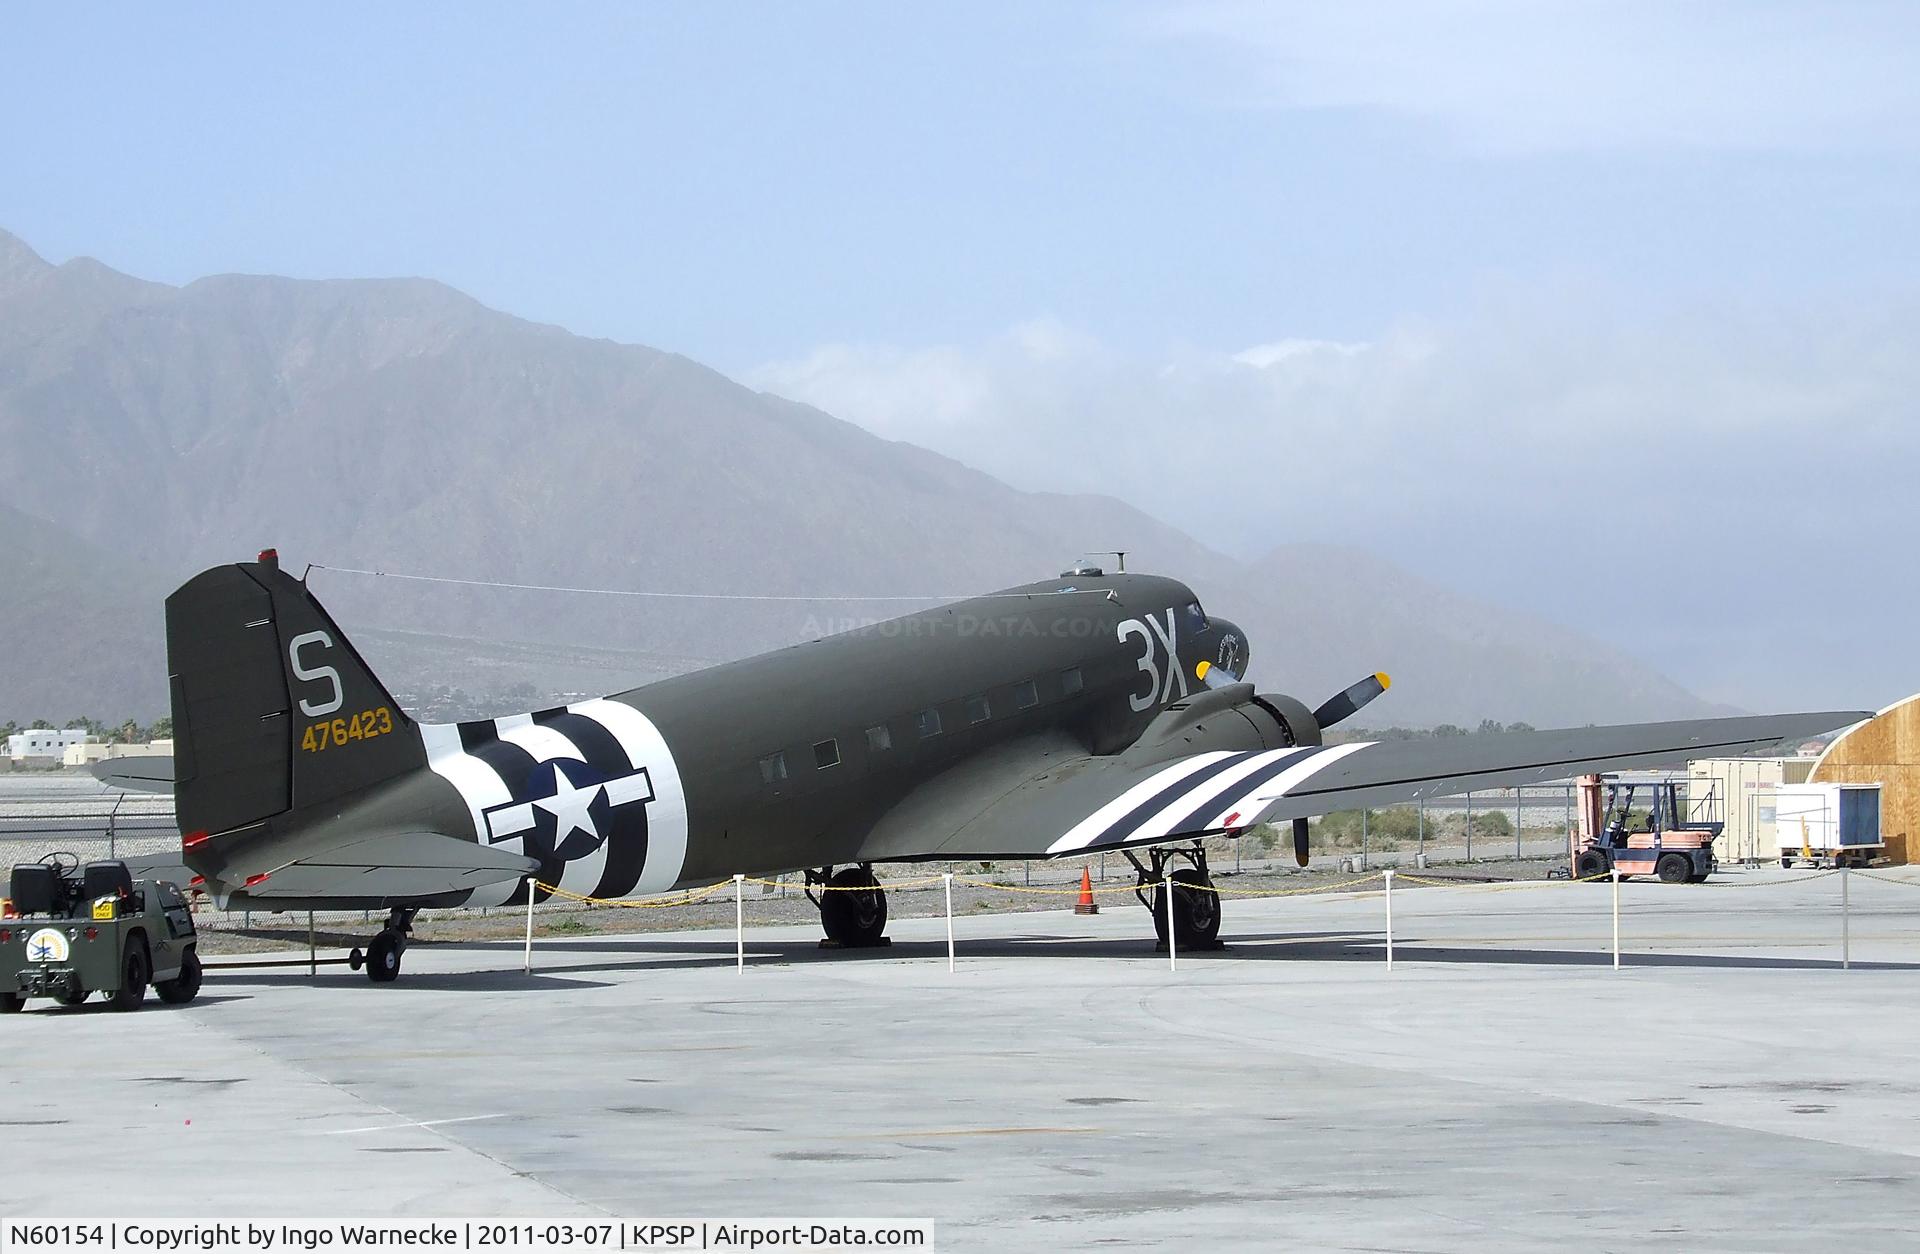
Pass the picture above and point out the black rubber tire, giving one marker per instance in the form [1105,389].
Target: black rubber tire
[854,910]
[184,987]
[383,958]
[74,998]
[1674,868]
[1786,862]
[134,971]
[12,1003]
[1590,864]
[1196,910]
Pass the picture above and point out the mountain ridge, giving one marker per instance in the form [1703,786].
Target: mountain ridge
[401,424]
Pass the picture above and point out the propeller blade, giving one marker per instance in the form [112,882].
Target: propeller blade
[1343,705]
[1215,676]
[1300,841]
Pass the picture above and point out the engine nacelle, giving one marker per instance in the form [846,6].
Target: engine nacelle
[1296,722]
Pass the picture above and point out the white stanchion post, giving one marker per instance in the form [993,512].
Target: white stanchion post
[1846,924]
[1171,965]
[1388,874]
[740,922]
[526,959]
[313,954]
[948,877]
[1616,918]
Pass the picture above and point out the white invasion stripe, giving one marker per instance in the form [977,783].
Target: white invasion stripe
[479,785]
[1246,808]
[1161,824]
[543,743]
[667,814]
[1089,829]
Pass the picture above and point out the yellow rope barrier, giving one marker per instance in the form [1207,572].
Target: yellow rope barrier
[688,898]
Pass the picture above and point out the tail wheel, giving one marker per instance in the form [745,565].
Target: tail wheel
[1196,909]
[134,972]
[383,958]
[853,910]
[1674,868]
[71,997]
[184,987]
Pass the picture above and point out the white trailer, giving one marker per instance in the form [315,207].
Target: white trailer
[1825,825]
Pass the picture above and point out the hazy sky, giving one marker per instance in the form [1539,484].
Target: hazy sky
[1609,310]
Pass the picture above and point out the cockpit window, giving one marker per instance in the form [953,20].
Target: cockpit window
[1196,617]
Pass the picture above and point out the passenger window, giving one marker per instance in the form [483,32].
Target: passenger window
[929,723]
[826,753]
[879,739]
[1071,681]
[773,768]
[1026,694]
[978,711]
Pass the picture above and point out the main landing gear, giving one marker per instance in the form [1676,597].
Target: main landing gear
[853,906]
[382,958]
[1196,907]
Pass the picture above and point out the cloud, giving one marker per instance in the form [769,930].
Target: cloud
[1694,483]
[1533,75]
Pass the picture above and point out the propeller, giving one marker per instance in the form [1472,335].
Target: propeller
[1300,841]
[1343,705]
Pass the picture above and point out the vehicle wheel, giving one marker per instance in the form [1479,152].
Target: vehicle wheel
[11,1003]
[134,969]
[1590,865]
[383,958]
[1674,869]
[72,997]
[1196,910]
[854,909]
[1786,863]
[184,987]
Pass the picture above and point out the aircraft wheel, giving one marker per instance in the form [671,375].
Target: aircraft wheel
[1674,869]
[184,987]
[854,909]
[1590,864]
[383,958]
[71,997]
[134,971]
[11,1003]
[1196,910]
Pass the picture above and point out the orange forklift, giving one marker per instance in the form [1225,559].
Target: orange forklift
[1659,838]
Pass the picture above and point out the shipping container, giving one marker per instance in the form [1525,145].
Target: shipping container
[1748,787]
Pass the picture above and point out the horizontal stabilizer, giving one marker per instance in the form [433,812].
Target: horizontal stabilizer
[394,865]
[153,773]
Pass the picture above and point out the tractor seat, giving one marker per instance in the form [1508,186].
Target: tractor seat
[36,888]
[106,879]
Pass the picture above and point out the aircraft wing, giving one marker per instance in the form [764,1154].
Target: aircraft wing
[1082,804]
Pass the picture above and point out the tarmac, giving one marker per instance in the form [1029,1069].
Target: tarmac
[1503,1087]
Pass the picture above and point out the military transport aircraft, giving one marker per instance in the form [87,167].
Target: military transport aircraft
[1097,711]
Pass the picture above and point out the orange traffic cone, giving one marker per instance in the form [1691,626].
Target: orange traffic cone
[1086,904]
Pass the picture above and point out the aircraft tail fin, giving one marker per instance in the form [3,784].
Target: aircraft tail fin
[273,709]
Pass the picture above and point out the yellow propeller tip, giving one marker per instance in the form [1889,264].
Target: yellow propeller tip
[1200,671]
[1386,680]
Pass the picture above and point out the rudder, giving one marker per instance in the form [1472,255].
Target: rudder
[273,708]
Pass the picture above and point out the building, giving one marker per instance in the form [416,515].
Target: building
[1740,792]
[1884,750]
[44,742]
[90,752]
